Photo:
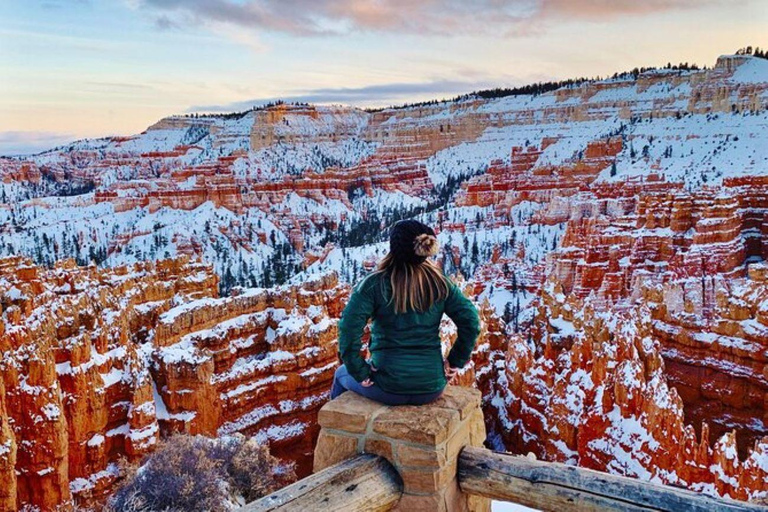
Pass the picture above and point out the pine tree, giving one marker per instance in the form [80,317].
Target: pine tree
[507,316]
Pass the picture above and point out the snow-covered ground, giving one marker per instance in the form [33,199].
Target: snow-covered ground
[663,125]
[501,506]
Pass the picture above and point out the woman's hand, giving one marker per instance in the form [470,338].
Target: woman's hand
[367,383]
[450,372]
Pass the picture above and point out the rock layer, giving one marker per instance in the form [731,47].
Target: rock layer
[606,403]
[97,365]
[641,197]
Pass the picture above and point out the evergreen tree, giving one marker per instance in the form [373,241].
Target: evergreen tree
[507,316]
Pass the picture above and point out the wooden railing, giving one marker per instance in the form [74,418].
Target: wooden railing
[365,483]
[369,483]
[550,486]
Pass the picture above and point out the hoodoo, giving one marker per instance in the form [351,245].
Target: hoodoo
[613,234]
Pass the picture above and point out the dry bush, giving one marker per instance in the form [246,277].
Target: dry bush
[249,466]
[199,474]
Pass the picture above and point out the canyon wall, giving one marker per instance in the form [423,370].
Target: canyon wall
[612,232]
[98,365]
[607,403]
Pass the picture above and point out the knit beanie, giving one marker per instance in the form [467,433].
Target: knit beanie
[410,241]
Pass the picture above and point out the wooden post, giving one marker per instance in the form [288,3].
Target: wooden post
[365,483]
[555,487]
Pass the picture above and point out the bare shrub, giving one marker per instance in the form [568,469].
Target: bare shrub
[254,472]
[199,474]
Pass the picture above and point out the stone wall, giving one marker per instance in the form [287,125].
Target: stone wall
[422,443]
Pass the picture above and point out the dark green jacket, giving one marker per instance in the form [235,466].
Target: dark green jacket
[405,348]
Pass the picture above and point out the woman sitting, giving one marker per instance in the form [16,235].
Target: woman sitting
[406,297]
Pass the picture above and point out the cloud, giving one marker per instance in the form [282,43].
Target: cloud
[30,142]
[425,17]
[378,94]
[163,22]
[606,9]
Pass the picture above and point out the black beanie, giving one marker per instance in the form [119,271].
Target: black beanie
[410,241]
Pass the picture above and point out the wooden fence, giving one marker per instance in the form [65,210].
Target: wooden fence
[368,483]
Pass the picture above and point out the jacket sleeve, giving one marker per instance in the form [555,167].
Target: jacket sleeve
[464,314]
[354,318]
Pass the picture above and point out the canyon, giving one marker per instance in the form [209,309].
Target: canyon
[189,278]
[98,365]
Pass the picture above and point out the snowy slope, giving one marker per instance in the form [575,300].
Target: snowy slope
[250,197]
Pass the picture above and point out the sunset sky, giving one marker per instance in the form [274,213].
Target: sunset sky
[87,68]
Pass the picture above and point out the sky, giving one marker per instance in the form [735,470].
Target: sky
[71,69]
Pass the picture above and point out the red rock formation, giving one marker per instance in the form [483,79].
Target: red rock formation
[98,364]
[523,179]
[259,363]
[602,401]
[130,354]
[8,451]
[685,256]
[19,171]
[714,340]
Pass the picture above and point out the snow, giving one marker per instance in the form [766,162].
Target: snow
[251,386]
[292,430]
[170,316]
[753,71]
[147,433]
[624,442]
[257,415]
[696,149]
[114,376]
[185,351]
[14,294]
[161,411]
[79,485]
[96,440]
[244,366]
[500,506]
[122,430]
[51,412]
[662,137]
[5,448]
[705,148]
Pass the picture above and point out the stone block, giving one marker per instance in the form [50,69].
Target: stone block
[332,449]
[478,503]
[461,399]
[427,425]
[453,499]
[411,456]
[456,501]
[380,447]
[414,503]
[350,412]
[477,433]
[427,480]
[458,440]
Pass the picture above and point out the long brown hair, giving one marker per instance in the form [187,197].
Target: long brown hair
[415,286]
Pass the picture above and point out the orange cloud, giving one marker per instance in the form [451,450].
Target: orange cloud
[437,17]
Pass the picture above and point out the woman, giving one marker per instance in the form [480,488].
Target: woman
[406,297]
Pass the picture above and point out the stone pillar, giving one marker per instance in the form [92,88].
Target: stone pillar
[422,443]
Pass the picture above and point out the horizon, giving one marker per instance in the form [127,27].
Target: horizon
[273,102]
[91,70]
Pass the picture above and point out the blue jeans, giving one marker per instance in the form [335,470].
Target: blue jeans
[343,381]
